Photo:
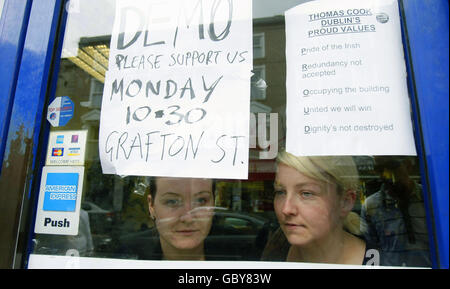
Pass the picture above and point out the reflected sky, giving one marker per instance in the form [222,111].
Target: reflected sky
[269,8]
[95,18]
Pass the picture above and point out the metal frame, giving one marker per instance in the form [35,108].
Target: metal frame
[426,30]
[13,27]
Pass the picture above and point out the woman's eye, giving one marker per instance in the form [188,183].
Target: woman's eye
[201,201]
[279,192]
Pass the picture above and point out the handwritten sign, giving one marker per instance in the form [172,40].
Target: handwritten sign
[60,111]
[346,80]
[176,100]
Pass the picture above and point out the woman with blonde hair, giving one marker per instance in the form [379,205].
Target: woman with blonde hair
[313,200]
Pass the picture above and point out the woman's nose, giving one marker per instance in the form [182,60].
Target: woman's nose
[186,214]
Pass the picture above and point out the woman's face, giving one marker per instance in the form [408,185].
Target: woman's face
[307,209]
[183,211]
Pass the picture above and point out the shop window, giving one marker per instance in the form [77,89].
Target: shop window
[251,218]
[258,82]
[258,45]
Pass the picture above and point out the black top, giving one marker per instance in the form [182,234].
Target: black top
[146,245]
[277,249]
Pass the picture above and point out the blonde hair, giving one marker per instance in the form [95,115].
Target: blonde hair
[340,170]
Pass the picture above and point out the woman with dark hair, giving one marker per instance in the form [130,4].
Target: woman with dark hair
[182,210]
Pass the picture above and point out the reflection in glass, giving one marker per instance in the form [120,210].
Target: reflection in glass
[394,216]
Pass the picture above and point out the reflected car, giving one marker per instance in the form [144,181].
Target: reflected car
[101,223]
[242,236]
[99,219]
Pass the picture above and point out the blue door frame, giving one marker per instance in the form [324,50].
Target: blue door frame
[29,33]
[29,77]
[13,27]
[428,54]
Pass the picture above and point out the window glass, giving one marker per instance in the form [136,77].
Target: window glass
[258,45]
[375,201]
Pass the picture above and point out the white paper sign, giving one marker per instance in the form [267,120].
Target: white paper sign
[176,100]
[346,80]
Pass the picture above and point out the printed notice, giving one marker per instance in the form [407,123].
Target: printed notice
[346,80]
[176,100]
[66,148]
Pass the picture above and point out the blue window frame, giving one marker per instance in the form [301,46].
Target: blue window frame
[13,27]
[426,27]
[29,58]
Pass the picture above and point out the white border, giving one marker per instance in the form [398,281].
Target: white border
[68,262]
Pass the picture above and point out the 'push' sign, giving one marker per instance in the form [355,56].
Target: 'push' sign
[59,200]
